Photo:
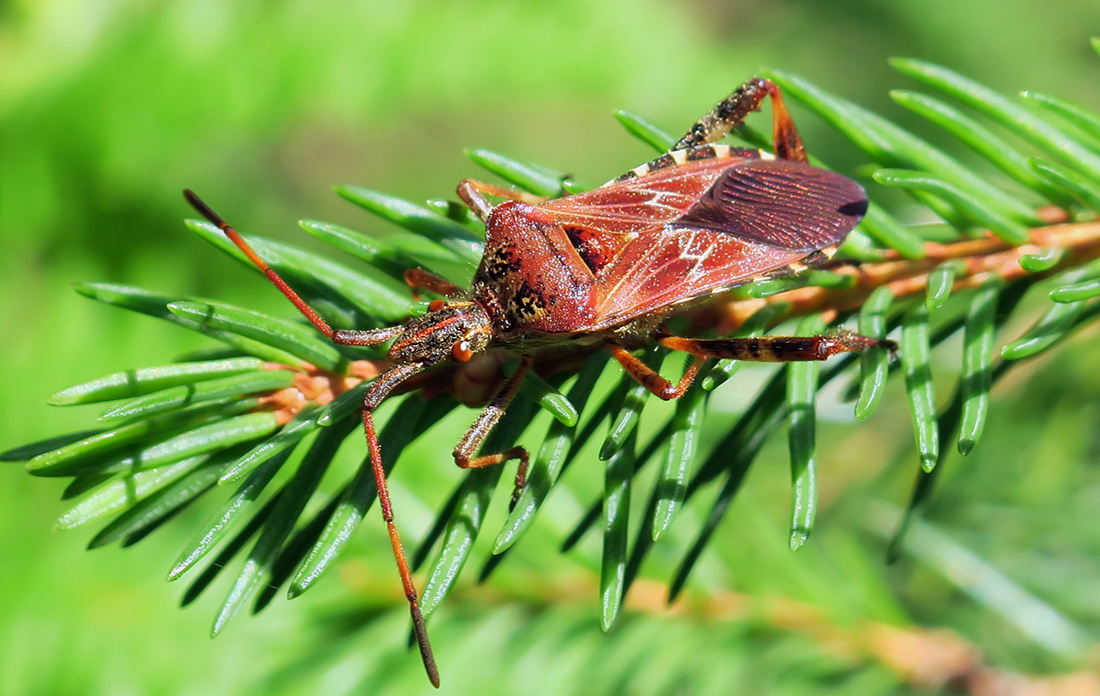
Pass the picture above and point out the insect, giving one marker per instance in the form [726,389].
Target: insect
[606,268]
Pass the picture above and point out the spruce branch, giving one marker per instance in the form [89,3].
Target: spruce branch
[173,433]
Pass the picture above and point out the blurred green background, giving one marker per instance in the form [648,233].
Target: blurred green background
[108,109]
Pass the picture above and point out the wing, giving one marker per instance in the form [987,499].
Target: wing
[755,217]
[541,260]
[654,197]
[600,223]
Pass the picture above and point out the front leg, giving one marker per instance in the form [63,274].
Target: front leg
[488,418]
[473,194]
[418,279]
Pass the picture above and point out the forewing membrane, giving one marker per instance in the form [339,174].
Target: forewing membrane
[755,217]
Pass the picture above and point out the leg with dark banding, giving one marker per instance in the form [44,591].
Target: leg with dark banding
[775,348]
[732,111]
[762,349]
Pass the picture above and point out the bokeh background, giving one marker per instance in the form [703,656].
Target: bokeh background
[108,109]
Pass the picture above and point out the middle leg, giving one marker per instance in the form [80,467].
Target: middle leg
[488,418]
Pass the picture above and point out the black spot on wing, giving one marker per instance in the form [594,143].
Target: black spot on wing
[780,203]
[855,208]
[578,237]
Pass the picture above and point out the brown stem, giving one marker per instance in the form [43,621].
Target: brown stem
[978,258]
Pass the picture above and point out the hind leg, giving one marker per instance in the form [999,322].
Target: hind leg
[732,111]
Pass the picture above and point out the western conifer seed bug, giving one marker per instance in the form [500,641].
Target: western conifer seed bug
[607,267]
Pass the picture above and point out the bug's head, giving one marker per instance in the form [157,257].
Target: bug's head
[450,330]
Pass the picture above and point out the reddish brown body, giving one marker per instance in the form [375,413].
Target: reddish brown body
[606,267]
[647,243]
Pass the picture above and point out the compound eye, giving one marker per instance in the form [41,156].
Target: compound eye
[436,305]
[461,352]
